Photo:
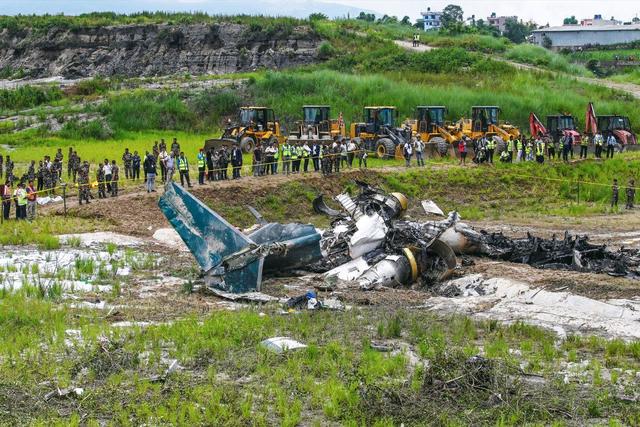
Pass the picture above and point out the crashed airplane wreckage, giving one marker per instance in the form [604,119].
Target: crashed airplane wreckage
[368,243]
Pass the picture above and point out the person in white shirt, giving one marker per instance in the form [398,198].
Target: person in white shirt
[408,151]
[351,151]
[611,145]
[419,147]
[107,174]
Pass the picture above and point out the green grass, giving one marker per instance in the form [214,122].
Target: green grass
[43,230]
[541,57]
[227,378]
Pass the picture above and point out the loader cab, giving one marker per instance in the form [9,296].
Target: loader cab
[483,117]
[257,118]
[429,117]
[317,115]
[378,117]
[614,122]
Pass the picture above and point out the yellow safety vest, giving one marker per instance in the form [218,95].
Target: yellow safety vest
[201,161]
[286,150]
[183,164]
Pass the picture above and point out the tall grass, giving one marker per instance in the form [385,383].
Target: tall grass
[28,96]
[518,95]
[541,57]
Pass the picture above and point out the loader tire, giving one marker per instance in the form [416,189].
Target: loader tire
[385,149]
[247,144]
[442,146]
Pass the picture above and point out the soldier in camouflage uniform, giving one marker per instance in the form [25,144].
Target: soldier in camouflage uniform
[40,176]
[9,170]
[100,178]
[84,191]
[115,176]
[155,149]
[75,165]
[70,161]
[175,147]
[1,158]
[163,145]
[127,160]
[31,173]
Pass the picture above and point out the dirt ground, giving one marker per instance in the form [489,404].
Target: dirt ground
[136,213]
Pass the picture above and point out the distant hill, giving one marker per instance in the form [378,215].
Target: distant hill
[294,8]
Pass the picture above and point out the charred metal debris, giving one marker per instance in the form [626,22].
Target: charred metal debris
[368,243]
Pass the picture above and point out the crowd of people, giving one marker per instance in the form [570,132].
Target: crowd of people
[267,158]
[538,148]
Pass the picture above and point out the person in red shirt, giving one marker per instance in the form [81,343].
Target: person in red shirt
[462,149]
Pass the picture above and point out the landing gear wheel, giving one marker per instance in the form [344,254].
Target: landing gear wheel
[385,148]
[247,144]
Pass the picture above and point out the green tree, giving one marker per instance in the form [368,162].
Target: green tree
[452,17]
[546,42]
[317,16]
[369,17]
[406,21]
[516,31]
[570,21]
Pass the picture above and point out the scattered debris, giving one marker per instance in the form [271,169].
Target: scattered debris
[257,297]
[65,392]
[562,312]
[281,344]
[430,207]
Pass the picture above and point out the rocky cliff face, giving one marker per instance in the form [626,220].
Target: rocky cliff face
[149,50]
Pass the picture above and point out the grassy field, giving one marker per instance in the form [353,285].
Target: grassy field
[227,378]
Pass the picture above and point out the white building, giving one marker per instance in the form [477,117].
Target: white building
[575,36]
[431,20]
[597,20]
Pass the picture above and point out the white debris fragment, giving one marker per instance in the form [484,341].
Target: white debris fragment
[281,344]
[348,272]
[102,237]
[430,207]
[511,301]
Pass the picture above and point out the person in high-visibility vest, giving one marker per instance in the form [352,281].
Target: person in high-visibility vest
[286,158]
[539,150]
[20,196]
[510,150]
[584,146]
[183,169]
[202,163]
[276,157]
[598,141]
[306,154]
[295,158]
[491,148]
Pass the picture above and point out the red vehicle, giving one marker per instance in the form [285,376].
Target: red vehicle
[618,125]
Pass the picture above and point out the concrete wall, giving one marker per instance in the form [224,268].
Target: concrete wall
[584,37]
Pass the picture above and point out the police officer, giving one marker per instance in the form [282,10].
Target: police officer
[491,149]
[201,166]
[598,141]
[286,158]
[183,169]
[584,146]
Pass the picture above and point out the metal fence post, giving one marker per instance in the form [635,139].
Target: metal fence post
[64,197]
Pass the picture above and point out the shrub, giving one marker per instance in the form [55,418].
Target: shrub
[28,97]
[92,129]
[326,50]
